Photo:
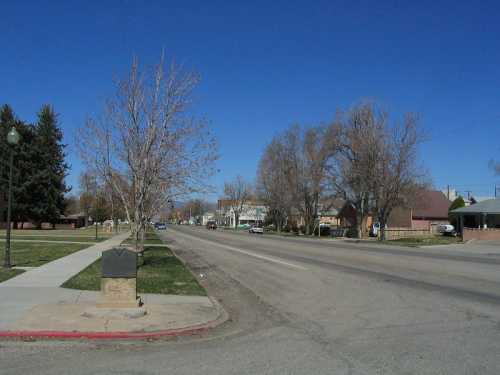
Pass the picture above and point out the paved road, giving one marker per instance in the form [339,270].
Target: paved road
[311,307]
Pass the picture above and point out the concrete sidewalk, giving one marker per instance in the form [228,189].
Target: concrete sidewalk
[55,273]
[34,304]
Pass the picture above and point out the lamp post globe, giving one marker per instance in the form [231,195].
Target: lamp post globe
[13,137]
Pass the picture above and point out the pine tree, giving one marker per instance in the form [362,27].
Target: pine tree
[25,157]
[7,120]
[457,203]
[49,178]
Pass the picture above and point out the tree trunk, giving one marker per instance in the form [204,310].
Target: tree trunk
[142,237]
[382,223]
[307,225]
[359,225]
[136,230]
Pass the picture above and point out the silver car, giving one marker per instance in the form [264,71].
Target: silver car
[256,229]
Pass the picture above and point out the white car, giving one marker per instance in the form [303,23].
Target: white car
[446,229]
[256,229]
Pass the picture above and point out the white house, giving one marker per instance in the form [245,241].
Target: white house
[207,216]
[252,213]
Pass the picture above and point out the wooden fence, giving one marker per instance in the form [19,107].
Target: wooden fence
[396,233]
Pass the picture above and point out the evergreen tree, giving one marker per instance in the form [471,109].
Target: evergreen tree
[7,120]
[48,181]
[25,156]
[457,203]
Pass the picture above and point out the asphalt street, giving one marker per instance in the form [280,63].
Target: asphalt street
[310,306]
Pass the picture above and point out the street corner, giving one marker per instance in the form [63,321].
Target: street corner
[161,316]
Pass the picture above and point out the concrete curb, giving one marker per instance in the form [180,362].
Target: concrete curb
[122,335]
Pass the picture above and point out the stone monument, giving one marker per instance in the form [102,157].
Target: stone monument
[118,285]
[119,278]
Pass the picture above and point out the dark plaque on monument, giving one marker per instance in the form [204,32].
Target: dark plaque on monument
[119,278]
[119,263]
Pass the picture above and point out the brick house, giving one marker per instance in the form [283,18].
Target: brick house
[429,210]
[479,221]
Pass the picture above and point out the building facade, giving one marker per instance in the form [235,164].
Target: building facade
[251,213]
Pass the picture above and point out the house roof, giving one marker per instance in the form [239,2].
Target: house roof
[476,199]
[490,206]
[431,204]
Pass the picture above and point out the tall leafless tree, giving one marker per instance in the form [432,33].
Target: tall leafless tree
[272,185]
[238,192]
[146,145]
[399,175]
[88,192]
[377,167]
[307,161]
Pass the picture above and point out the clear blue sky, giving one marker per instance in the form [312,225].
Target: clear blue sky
[266,65]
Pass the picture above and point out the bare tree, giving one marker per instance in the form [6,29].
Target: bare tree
[72,203]
[376,169]
[354,177]
[495,165]
[399,177]
[272,185]
[238,192]
[307,156]
[88,192]
[146,146]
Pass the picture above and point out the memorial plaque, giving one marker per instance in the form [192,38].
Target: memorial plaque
[119,263]
[119,278]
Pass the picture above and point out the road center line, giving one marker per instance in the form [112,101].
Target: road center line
[249,253]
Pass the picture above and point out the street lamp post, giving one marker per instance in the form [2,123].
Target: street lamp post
[13,139]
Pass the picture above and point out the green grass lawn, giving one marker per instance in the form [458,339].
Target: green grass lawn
[161,273]
[150,238]
[6,273]
[54,238]
[425,241]
[33,254]
[64,233]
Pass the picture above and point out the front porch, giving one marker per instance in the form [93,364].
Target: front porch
[479,221]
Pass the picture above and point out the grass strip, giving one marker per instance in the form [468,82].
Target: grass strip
[425,241]
[7,273]
[161,273]
[33,254]
[55,238]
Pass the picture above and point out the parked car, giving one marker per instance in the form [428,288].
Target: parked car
[446,230]
[244,226]
[375,229]
[211,225]
[256,229]
[160,226]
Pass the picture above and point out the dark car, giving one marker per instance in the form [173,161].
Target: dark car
[160,226]
[211,225]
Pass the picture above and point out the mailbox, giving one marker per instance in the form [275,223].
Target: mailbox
[119,263]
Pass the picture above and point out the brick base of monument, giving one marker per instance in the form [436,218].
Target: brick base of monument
[119,293]
[118,300]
